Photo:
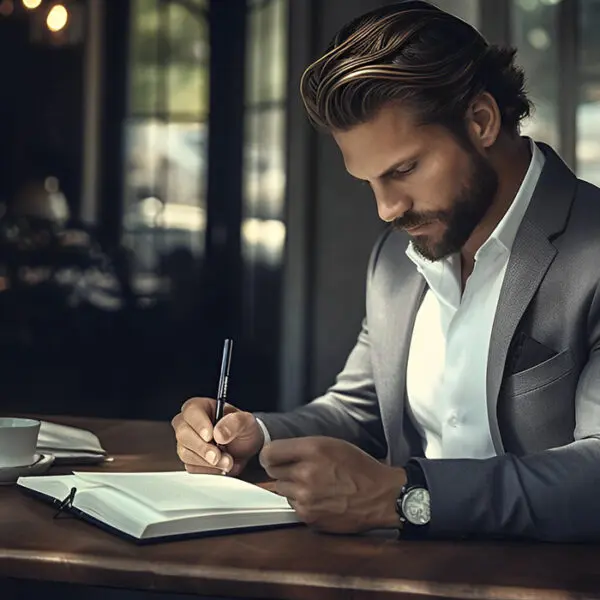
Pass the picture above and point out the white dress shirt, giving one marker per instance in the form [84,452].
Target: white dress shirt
[447,365]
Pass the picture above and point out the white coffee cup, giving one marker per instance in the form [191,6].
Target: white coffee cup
[18,441]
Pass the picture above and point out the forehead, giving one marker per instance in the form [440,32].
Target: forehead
[391,136]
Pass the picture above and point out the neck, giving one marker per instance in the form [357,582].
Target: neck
[510,158]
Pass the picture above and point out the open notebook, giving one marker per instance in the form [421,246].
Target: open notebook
[69,445]
[151,506]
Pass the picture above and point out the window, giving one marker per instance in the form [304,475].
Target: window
[263,202]
[588,104]
[166,134]
[560,50]
[535,35]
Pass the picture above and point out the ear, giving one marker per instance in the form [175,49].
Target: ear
[484,120]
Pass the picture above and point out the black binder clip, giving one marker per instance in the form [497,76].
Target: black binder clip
[66,504]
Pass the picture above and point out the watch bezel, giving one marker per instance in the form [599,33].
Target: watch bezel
[406,497]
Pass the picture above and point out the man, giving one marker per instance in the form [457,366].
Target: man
[476,376]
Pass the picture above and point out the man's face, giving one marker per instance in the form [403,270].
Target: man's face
[424,180]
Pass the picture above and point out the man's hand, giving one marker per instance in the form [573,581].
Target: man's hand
[333,485]
[238,434]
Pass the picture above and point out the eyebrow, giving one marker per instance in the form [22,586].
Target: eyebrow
[391,168]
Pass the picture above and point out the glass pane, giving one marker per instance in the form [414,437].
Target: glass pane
[188,34]
[188,90]
[588,133]
[267,54]
[588,109]
[589,51]
[165,190]
[188,62]
[263,204]
[144,61]
[263,229]
[534,33]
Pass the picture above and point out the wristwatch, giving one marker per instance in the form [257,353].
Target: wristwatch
[413,503]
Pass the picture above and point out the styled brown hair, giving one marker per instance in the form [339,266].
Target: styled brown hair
[417,55]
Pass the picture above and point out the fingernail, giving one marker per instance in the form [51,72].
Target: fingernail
[225,463]
[225,432]
[205,435]
[211,457]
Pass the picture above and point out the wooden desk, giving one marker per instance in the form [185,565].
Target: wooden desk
[291,564]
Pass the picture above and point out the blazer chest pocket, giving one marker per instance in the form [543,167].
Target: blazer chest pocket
[540,375]
[536,408]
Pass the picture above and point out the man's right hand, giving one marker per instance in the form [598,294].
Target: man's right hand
[237,433]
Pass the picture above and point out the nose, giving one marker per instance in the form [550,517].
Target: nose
[391,203]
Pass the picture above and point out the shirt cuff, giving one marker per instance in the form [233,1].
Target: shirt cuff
[265,431]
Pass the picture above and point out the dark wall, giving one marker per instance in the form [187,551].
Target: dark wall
[345,228]
[40,110]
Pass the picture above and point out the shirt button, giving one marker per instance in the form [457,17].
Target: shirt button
[453,421]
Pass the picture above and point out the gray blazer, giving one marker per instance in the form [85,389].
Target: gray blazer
[543,378]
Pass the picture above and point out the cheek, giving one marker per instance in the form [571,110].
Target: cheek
[437,184]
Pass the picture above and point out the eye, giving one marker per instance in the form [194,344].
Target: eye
[400,173]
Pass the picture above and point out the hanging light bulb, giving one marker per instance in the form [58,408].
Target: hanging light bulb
[31,4]
[57,18]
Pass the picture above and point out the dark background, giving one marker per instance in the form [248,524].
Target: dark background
[293,319]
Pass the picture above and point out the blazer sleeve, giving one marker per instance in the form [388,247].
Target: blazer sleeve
[551,495]
[349,410]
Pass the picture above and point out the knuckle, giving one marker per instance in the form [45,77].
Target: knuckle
[304,496]
[186,405]
[264,456]
[304,472]
[305,514]
[182,452]
[194,406]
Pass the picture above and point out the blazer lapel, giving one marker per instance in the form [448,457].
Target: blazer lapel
[407,294]
[531,256]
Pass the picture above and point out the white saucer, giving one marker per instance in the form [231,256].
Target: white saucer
[39,466]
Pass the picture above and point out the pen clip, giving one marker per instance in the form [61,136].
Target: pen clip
[66,504]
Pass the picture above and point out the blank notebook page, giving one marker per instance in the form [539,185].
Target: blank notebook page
[182,491]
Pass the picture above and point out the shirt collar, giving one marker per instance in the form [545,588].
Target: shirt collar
[505,232]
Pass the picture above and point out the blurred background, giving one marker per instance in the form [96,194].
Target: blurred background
[161,189]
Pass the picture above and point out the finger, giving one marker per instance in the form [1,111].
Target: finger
[207,454]
[210,453]
[206,470]
[294,472]
[193,459]
[288,489]
[236,469]
[282,452]
[185,434]
[198,413]
[231,426]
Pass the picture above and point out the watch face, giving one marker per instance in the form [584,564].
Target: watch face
[415,506]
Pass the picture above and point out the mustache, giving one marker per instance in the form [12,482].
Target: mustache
[409,219]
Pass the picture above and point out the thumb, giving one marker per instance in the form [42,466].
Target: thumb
[233,426]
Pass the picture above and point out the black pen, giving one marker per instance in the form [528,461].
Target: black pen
[223,380]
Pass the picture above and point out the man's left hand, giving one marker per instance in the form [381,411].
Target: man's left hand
[332,485]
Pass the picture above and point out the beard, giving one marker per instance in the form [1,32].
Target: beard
[468,209]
